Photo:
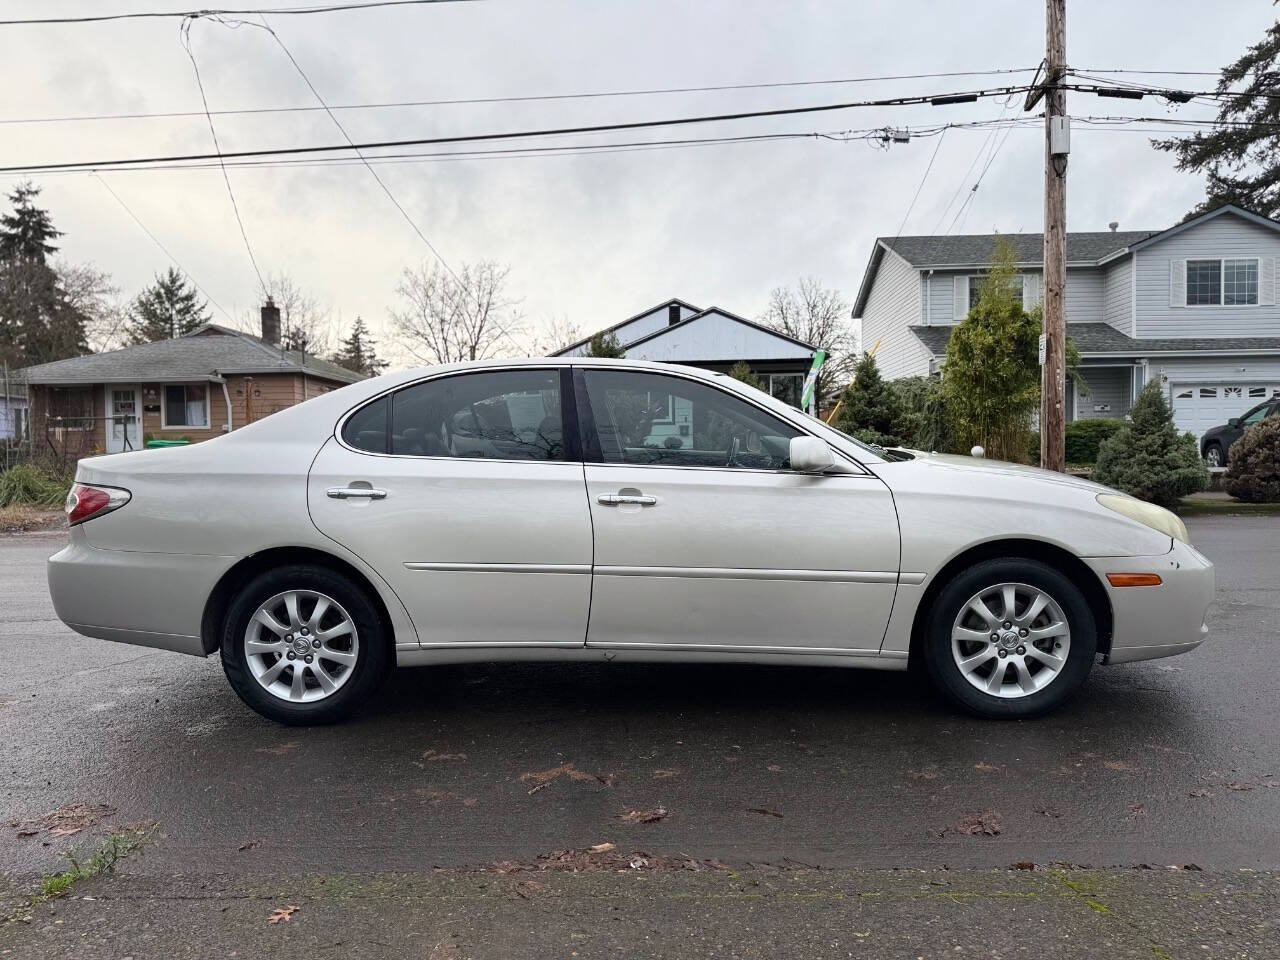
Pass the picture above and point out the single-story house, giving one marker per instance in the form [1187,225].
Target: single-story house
[1194,306]
[193,387]
[714,339]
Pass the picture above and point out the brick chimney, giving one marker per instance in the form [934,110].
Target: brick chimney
[270,322]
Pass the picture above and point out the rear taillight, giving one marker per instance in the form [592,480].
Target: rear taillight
[85,502]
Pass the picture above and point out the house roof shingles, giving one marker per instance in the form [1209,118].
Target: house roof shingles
[193,357]
[977,249]
[1095,338]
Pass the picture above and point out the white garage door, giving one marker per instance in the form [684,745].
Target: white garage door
[1199,406]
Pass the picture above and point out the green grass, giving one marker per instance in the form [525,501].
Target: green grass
[33,486]
[1200,508]
[114,848]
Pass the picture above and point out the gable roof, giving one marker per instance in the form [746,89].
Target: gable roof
[1101,338]
[674,301]
[209,351]
[804,349]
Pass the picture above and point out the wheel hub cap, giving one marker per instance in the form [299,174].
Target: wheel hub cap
[301,646]
[1010,640]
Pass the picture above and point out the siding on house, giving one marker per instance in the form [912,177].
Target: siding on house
[1117,295]
[637,327]
[1210,370]
[1084,296]
[893,305]
[1224,236]
[712,337]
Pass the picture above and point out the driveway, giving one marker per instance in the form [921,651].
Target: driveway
[779,771]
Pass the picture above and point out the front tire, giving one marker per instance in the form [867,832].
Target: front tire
[303,645]
[1009,639]
[1213,455]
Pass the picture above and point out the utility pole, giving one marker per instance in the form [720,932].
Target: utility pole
[1057,145]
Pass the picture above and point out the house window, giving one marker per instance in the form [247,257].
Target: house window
[786,387]
[71,407]
[185,405]
[1222,282]
[975,288]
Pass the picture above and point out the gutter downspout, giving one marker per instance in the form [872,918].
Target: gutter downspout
[226,397]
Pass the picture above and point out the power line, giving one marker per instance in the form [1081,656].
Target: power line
[937,99]
[163,248]
[911,206]
[374,173]
[186,44]
[535,98]
[184,14]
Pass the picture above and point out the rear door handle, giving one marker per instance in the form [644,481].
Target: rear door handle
[355,493]
[613,499]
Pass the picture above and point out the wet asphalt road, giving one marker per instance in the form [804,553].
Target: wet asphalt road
[1170,762]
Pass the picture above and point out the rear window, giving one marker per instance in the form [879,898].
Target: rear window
[367,427]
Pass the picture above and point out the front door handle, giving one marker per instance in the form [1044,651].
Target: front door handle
[354,493]
[613,499]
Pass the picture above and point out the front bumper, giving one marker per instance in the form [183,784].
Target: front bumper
[148,599]
[1152,622]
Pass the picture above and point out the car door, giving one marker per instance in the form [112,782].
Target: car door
[1245,422]
[706,539]
[465,492]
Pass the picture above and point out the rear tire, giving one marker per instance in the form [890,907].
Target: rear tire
[1043,648]
[304,645]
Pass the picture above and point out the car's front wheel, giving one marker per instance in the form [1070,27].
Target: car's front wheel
[1009,638]
[1213,455]
[303,645]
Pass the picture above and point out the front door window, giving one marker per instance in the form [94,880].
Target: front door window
[123,429]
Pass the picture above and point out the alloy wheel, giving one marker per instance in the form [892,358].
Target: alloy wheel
[301,646]
[1010,640]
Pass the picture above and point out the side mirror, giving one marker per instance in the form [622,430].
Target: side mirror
[1233,422]
[811,455]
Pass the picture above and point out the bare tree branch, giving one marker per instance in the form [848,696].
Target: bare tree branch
[820,316]
[445,318]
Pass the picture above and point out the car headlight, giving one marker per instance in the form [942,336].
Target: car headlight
[1157,518]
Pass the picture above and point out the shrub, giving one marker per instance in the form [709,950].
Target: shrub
[1253,470]
[870,405]
[605,344]
[33,486]
[1147,458]
[1085,436]
[742,371]
[925,425]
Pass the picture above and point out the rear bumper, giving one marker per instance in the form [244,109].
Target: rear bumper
[148,599]
[1163,621]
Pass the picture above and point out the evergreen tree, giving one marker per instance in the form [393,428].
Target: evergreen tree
[169,308]
[356,352]
[26,231]
[606,345]
[1241,155]
[38,321]
[870,409]
[742,371]
[1149,459]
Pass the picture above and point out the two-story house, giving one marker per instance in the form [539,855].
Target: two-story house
[1193,305]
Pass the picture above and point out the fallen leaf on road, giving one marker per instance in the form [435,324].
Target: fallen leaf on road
[985,767]
[282,913]
[248,845]
[1118,765]
[541,778]
[279,750]
[1023,865]
[1049,812]
[435,756]
[525,889]
[1235,785]
[928,773]
[644,816]
[602,848]
[1199,792]
[65,821]
[1138,809]
[764,812]
[985,823]
[774,768]
[666,774]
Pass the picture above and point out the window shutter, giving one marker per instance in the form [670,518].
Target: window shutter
[1030,290]
[1177,283]
[1267,281]
[960,299]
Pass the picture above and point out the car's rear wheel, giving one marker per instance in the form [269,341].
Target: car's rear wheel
[1009,639]
[1213,455]
[303,645]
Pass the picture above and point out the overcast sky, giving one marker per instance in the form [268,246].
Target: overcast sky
[590,238]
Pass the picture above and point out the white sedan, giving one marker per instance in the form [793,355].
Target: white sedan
[600,510]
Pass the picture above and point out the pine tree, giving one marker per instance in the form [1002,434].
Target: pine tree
[1241,155]
[606,345]
[38,322]
[870,408]
[742,371]
[1148,458]
[169,308]
[356,352]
